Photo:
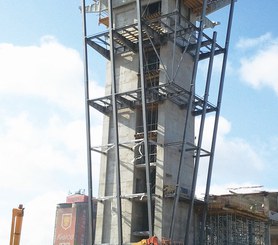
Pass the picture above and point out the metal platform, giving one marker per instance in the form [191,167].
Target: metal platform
[157,31]
[157,94]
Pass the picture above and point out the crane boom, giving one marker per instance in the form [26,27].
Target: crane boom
[17,217]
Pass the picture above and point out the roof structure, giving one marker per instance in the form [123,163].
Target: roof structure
[212,5]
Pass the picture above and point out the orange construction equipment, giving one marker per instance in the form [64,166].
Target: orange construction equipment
[151,241]
[16,225]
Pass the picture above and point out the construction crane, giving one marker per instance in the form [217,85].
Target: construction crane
[17,217]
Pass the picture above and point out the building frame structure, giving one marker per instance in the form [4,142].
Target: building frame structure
[150,33]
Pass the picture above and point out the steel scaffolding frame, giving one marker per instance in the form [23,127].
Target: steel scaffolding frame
[151,34]
[235,228]
[238,219]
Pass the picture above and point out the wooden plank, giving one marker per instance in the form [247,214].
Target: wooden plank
[193,4]
[196,5]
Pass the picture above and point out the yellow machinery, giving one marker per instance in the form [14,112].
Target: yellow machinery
[154,241]
[151,241]
[17,217]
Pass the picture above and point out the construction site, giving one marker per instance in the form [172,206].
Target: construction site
[156,104]
[243,219]
[250,218]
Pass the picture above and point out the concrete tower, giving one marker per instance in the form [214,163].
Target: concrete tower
[150,154]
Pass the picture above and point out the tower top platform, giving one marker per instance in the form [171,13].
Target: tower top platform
[195,5]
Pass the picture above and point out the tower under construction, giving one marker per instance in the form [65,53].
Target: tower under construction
[152,145]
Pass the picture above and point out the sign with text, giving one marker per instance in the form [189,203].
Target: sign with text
[65,225]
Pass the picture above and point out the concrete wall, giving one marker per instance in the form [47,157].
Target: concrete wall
[106,228]
[171,120]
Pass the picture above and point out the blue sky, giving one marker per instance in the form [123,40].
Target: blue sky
[42,134]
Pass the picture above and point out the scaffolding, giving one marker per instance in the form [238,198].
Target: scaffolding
[236,229]
[145,37]
[237,219]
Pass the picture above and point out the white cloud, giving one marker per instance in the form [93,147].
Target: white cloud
[35,152]
[236,161]
[245,43]
[259,69]
[50,71]
[42,134]
[39,218]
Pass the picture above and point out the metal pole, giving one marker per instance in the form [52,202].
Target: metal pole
[175,40]
[87,117]
[144,112]
[188,112]
[202,123]
[215,129]
[193,187]
[115,123]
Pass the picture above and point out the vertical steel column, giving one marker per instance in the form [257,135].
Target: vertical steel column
[202,123]
[188,112]
[87,117]
[175,39]
[115,123]
[144,112]
[193,187]
[219,101]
